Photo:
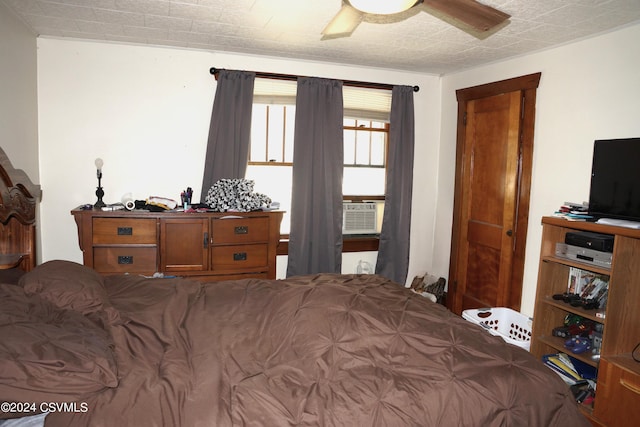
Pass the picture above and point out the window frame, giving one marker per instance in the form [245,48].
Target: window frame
[350,243]
[370,129]
[384,129]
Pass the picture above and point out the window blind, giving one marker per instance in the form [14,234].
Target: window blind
[359,103]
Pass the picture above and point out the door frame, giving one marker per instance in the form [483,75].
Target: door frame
[527,85]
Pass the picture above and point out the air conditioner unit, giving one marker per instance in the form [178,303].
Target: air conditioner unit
[359,218]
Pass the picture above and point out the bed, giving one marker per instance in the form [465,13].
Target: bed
[318,350]
[18,199]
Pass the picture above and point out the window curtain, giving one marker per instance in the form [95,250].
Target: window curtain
[393,250]
[230,128]
[315,238]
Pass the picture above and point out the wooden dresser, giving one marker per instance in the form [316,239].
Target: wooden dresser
[203,246]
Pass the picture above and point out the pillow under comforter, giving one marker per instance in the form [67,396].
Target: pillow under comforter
[48,353]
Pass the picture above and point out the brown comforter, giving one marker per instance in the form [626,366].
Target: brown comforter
[325,350]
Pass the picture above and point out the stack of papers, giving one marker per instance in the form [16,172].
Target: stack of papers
[570,369]
[574,211]
[619,222]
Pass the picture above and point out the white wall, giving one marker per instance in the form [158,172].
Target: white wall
[19,99]
[588,90]
[18,103]
[145,111]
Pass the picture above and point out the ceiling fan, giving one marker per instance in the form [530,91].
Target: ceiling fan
[480,18]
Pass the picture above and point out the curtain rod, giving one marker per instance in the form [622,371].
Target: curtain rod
[354,83]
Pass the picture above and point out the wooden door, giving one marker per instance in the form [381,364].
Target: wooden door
[495,144]
[489,200]
[184,244]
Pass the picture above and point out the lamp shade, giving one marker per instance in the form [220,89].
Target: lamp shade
[382,7]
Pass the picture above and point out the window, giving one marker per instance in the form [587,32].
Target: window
[272,134]
[366,132]
[365,157]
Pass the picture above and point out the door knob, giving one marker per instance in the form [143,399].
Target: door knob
[509,233]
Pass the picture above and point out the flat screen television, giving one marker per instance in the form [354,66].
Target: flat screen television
[615,179]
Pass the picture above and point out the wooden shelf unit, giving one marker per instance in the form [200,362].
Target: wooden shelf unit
[621,317]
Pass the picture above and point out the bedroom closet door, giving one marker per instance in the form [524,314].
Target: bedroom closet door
[493,170]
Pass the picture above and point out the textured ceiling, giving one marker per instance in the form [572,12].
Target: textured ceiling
[291,28]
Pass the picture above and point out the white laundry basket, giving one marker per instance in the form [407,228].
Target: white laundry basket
[513,327]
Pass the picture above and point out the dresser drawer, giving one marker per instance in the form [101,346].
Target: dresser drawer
[239,257]
[121,231]
[123,259]
[618,395]
[240,230]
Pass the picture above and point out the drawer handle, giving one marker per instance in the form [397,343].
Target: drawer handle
[634,388]
[125,231]
[125,259]
[241,229]
[240,256]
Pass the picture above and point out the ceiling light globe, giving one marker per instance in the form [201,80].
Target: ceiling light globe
[382,7]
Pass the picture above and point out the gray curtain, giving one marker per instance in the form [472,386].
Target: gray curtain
[393,251]
[230,128]
[315,239]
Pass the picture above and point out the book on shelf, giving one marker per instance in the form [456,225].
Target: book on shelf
[570,369]
[570,216]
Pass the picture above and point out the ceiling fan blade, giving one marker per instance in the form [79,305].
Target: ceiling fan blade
[343,24]
[470,12]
